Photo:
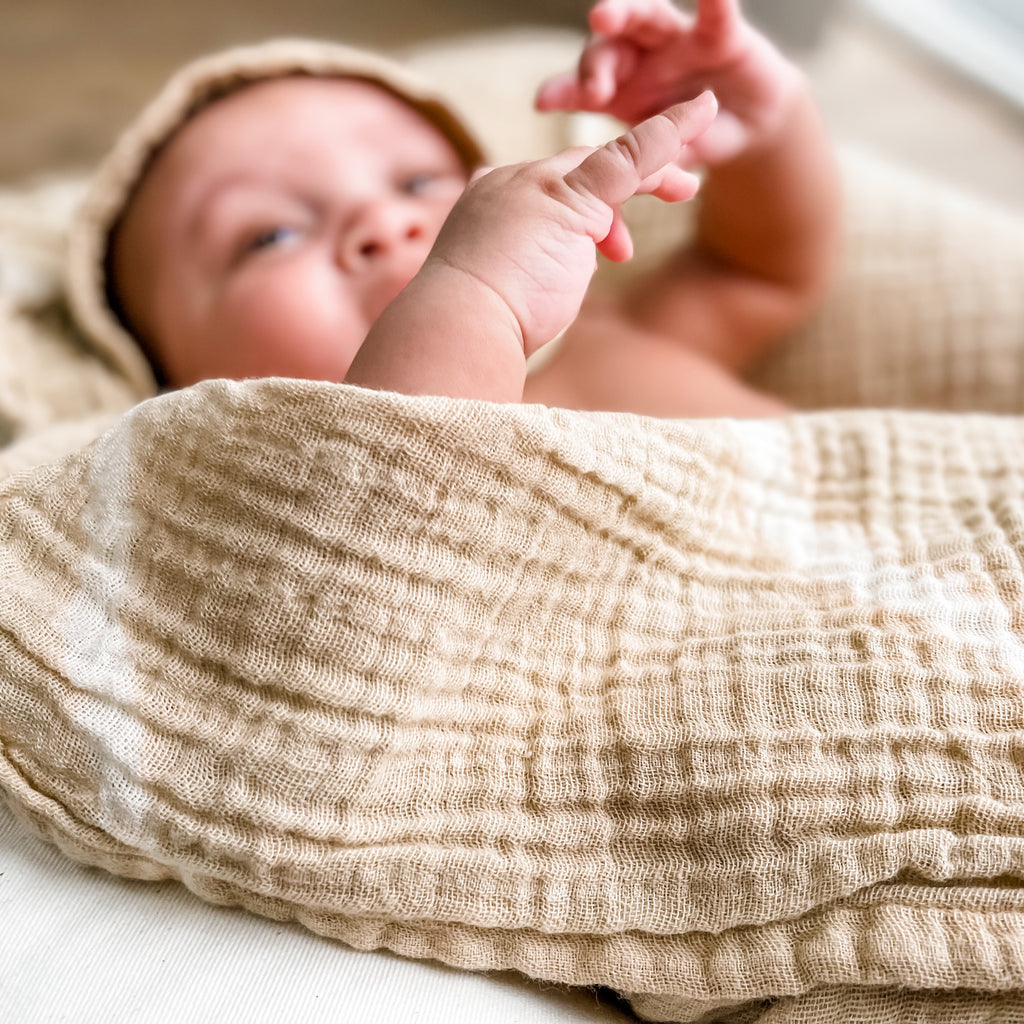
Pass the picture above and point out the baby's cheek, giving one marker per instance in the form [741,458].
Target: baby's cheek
[294,324]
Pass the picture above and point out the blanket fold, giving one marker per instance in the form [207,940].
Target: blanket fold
[727,716]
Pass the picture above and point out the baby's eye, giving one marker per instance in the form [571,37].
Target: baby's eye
[417,184]
[280,234]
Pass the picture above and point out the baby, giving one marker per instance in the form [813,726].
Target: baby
[324,228]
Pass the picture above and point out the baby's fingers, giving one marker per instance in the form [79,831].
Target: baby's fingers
[603,66]
[716,18]
[619,169]
[672,184]
[646,23]
[617,244]
[560,92]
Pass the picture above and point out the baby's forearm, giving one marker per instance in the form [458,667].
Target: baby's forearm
[446,333]
[773,212]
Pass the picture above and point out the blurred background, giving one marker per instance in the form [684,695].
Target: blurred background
[936,84]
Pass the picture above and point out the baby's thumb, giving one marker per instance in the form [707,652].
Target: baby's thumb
[619,169]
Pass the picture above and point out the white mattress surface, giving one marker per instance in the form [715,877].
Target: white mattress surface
[82,946]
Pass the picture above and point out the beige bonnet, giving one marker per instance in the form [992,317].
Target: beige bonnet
[191,88]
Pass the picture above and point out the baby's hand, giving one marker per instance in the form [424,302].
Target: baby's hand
[645,55]
[512,263]
[527,233]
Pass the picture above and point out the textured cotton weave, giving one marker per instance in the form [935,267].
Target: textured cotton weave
[715,712]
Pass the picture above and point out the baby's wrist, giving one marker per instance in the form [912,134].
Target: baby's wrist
[471,297]
[782,81]
[446,333]
[776,90]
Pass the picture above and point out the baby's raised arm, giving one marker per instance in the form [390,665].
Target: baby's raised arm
[768,225]
[513,261]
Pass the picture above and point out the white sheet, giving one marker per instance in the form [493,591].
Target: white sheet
[80,945]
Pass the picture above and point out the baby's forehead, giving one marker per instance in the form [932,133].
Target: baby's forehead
[293,118]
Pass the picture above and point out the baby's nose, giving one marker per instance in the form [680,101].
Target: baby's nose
[380,230]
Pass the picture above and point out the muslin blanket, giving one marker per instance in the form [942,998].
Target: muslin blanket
[727,716]
[709,713]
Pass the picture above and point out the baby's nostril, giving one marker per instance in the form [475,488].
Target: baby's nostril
[369,249]
[413,232]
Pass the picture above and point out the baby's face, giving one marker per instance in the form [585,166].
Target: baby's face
[276,226]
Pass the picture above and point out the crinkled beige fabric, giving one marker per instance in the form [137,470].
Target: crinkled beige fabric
[928,309]
[861,1006]
[712,711]
[726,716]
[49,374]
